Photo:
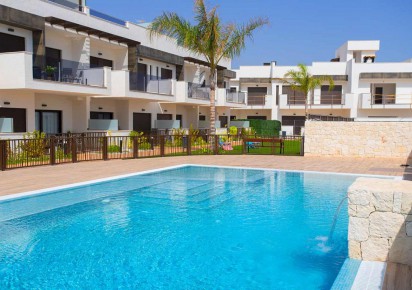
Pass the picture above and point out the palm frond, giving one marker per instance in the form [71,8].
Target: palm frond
[237,38]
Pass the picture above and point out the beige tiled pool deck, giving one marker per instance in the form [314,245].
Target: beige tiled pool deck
[27,179]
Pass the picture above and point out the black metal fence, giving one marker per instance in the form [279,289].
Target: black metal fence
[71,148]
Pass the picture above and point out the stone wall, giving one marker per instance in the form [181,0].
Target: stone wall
[358,139]
[380,220]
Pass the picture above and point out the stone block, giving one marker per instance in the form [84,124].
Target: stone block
[358,229]
[386,224]
[355,250]
[375,249]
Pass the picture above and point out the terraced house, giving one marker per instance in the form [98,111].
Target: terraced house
[364,90]
[68,68]
[65,67]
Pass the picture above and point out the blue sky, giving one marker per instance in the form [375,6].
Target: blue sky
[300,31]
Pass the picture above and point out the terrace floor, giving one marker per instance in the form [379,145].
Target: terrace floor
[34,178]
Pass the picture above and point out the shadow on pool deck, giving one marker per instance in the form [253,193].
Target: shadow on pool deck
[407,174]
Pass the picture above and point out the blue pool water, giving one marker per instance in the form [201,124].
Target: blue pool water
[185,228]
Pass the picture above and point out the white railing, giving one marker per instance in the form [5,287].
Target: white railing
[236,97]
[385,101]
[163,87]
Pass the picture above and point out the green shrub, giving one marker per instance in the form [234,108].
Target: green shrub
[34,144]
[113,149]
[265,127]
[233,130]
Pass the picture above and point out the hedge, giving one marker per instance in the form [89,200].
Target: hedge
[265,127]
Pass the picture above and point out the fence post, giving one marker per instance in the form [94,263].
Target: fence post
[162,145]
[3,155]
[52,151]
[104,148]
[135,141]
[189,145]
[302,146]
[74,149]
[244,147]
[216,145]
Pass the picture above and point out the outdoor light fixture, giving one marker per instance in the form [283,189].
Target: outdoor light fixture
[44,105]
[143,110]
[141,59]
[257,113]
[294,114]
[100,53]
[6,103]
[224,114]
[100,108]
[10,29]
[165,111]
[167,65]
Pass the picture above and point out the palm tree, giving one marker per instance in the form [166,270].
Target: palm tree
[301,80]
[208,37]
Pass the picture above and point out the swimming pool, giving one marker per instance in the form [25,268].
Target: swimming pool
[185,228]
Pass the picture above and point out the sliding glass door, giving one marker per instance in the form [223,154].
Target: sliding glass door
[49,122]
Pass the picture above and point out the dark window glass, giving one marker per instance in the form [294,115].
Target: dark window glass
[100,62]
[101,115]
[166,74]
[18,116]
[11,43]
[202,118]
[164,117]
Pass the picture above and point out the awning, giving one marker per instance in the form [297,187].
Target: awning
[90,31]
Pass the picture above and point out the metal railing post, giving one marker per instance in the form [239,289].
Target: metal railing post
[74,149]
[3,155]
[105,148]
[302,146]
[52,150]
[189,145]
[162,145]
[135,141]
[216,143]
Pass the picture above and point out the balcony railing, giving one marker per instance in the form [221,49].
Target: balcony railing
[68,4]
[196,91]
[107,17]
[256,100]
[235,97]
[324,100]
[67,71]
[391,100]
[150,84]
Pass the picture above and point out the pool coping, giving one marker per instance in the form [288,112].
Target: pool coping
[365,268]
[77,184]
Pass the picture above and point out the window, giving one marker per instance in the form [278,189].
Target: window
[233,90]
[48,122]
[202,118]
[256,95]
[11,43]
[164,117]
[100,62]
[166,74]
[294,97]
[101,115]
[18,116]
[333,96]
[53,57]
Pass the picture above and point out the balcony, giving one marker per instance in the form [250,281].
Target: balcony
[235,97]
[71,72]
[18,72]
[323,101]
[380,101]
[196,91]
[150,84]
[256,100]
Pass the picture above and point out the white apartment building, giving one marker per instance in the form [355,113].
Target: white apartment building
[365,89]
[65,67]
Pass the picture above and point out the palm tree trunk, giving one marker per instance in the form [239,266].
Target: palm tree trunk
[306,106]
[212,104]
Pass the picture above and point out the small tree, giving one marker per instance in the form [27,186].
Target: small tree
[301,80]
[208,37]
